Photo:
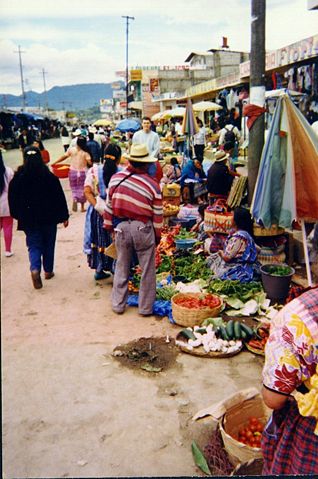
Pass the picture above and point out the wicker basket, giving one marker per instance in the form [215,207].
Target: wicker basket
[233,420]
[192,317]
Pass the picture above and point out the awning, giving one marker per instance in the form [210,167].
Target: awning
[135,105]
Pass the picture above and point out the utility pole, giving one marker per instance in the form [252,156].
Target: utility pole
[43,72]
[21,76]
[127,27]
[257,91]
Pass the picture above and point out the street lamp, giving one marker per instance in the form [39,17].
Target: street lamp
[127,26]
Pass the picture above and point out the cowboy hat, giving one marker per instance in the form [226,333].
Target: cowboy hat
[220,155]
[140,154]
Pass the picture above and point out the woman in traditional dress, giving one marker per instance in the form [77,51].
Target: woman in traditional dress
[96,238]
[80,160]
[290,388]
[238,259]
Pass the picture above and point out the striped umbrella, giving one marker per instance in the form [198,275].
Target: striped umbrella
[287,182]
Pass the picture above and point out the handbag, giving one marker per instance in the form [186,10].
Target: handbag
[217,218]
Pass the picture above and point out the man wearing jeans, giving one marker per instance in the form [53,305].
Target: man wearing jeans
[134,213]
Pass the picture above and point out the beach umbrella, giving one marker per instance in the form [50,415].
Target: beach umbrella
[128,125]
[189,124]
[207,106]
[103,122]
[287,182]
[179,111]
[158,116]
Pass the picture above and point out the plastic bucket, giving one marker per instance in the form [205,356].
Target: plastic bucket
[186,223]
[276,286]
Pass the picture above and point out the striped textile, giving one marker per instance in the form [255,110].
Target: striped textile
[138,197]
[289,444]
[77,180]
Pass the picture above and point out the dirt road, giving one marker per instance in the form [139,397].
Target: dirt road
[69,408]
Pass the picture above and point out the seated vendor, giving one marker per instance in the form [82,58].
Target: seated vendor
[192,174]
[171,172]
[220,178]
[238,259]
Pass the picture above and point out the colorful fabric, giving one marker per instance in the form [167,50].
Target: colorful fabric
[138,197]
[77,180]
[240,249]
[96,238]
[291,350]
[289,445]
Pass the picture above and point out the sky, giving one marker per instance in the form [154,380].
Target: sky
[78,41]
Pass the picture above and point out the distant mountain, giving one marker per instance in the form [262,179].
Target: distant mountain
[70,97]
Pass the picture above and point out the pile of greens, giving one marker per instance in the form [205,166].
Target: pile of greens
[191,266]
[235,289]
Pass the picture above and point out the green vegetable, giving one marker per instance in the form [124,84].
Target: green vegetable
[230,329]
[243,334]
[248,331]
[165,266]
[278,270]
[199,458]
[224,334]
[237,330]
[188,334]
[201,331]
[236,289]
[184,234]
[165,293]
[215,322]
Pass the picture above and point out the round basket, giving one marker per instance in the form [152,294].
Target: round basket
[192,317]
[185,243]
[61,171]
[233,420]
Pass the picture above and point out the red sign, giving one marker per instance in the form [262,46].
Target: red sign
[123,104]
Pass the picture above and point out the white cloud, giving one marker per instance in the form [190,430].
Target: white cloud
[57,37]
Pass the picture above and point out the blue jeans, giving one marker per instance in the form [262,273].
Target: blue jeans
[41,244]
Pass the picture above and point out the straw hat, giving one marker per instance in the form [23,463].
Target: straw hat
[77,132]
[92,129]
[140,154]
[220,156]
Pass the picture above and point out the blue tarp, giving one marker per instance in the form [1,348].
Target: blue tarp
[160,307]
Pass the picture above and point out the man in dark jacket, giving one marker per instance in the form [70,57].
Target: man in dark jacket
[25,139]
[220,178]
[94,148]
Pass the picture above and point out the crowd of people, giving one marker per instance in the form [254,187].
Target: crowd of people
[125,210]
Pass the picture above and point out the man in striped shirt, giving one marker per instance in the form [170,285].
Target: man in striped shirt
[134,213]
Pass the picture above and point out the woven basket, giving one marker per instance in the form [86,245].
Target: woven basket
[192,317]
[233,420]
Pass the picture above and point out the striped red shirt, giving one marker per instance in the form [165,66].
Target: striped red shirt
[138,198]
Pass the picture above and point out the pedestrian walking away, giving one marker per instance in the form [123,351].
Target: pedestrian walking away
[97,238]
[80,159]
[6,220]
[134,213]
[37,201]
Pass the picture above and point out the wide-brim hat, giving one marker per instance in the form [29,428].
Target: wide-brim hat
[77,132]
[140,154]
[220,155]
[92,129]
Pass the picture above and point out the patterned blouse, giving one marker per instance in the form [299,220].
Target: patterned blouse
[291,353]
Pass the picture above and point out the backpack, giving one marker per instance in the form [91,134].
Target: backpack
[229,135]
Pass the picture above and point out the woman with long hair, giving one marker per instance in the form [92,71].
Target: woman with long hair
[80,160]
[6,220]
[37,201]
[96,238]
[44,153]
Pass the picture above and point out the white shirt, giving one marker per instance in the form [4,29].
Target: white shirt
[199,138]
[150,139]
[228,127]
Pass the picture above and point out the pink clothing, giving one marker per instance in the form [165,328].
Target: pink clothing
[79,159]
[6,222]
[4,205]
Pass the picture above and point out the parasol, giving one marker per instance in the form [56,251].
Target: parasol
[207,106]
[103,122]
[128,125]
[287,182]
[173,113]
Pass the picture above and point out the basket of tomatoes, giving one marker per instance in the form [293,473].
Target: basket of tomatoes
[190,309]
[241,429]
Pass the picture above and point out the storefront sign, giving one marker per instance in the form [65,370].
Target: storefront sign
[121,74]
[119,94]
[116,85]
[135,75]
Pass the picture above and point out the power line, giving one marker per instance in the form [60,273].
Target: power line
[21,76]
[127,28]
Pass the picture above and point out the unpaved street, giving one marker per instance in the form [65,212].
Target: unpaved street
[69,408]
